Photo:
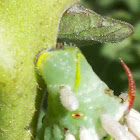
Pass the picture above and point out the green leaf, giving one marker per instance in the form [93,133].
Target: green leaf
[82,25]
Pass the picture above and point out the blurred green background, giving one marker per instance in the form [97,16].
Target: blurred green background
[104,57]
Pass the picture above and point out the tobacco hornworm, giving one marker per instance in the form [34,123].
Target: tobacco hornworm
[77,97]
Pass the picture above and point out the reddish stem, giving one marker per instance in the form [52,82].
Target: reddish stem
[131,92]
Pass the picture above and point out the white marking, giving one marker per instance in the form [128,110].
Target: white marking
[123,96]
[90,107]
[133,122]
[76,9]
[104,23]
[85,118]
[115,129]
[88,134]
[68,99]
[87,100]
[69,136]
[121,111]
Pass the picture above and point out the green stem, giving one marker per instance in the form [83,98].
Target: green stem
[26,27]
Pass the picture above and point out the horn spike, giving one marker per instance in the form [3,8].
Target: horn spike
[131,84]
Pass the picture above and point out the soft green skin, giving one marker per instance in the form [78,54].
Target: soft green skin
[26,27]
[90,87]
[88,26]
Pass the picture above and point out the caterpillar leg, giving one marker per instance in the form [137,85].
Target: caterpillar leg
[133,122]
[69,136]
[88,134]
[115,129]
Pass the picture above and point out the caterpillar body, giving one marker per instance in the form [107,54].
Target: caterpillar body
[77,97]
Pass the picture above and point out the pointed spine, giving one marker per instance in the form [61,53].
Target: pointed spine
[131,92]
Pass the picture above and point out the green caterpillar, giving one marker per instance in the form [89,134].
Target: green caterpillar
[77,97]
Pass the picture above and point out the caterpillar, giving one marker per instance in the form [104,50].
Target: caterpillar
[77,97]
